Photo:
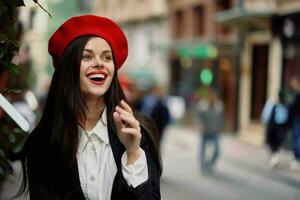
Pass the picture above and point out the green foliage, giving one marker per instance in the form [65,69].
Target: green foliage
[11,143]
[11,138]
[8,39]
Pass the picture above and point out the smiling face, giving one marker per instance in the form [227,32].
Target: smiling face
[97,68]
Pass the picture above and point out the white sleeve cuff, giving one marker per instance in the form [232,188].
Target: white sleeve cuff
[136,173]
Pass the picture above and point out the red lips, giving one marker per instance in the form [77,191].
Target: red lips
[97,77]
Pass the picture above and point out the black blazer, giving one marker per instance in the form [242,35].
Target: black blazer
[68,187]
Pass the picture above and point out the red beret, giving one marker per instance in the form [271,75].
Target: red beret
[89,25]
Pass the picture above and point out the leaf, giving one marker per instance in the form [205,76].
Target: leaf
[12,138]
[15,3]
[2,51]
[2,154]
[18,148]
[12,90]
[14,69]
[7,167]
[14,46]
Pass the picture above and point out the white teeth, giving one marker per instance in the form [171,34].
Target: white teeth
[96,76]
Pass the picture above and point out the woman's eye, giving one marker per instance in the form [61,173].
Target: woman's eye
[86,57]
[108,58]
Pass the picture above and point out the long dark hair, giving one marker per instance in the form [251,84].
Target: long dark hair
[64,104]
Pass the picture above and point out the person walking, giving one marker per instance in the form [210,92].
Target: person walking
[275,116]
[211,116]
[295,120]
[155,106]
[89,143]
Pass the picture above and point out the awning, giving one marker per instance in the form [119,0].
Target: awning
[238,14]
[197,50]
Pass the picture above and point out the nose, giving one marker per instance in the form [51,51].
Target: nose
[98,63]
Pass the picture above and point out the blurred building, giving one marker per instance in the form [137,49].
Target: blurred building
[267,35]
[203,53]
[146,27]
[286,27]
[33,48]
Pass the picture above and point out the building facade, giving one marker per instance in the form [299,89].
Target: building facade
[34,42]
[265,64]
[286,27]
[202,53]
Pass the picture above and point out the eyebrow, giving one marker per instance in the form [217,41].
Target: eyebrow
[91,51]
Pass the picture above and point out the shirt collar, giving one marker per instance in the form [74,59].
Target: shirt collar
[100,130]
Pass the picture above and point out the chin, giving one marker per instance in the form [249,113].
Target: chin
[95,93]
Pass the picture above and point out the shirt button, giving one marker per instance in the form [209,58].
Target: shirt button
[92,178]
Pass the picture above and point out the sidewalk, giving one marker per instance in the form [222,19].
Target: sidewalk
[253,158]
[256,158]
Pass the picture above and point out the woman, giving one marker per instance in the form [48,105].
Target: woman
[89,143]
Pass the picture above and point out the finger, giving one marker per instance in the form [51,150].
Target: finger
[126,106]
[130,131]
[122,111]
[117,121]
[130,121]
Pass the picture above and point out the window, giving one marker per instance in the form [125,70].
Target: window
[222,5]
[199,19]
[178,24]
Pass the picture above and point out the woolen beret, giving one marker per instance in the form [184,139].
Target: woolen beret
[89,25]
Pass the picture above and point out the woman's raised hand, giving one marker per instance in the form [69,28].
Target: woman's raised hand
[128,130]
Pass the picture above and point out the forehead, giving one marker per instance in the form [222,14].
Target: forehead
[97,43]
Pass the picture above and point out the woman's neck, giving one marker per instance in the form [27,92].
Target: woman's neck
[93,112]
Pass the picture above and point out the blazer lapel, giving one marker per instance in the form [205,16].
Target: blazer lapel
[117,147]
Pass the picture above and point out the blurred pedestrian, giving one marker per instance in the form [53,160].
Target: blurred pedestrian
[154,105]
[89,143]
[295,120]
[160,112]
[211,115]
[275,116]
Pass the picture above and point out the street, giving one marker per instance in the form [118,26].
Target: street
[241,173]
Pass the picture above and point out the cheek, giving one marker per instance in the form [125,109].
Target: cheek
[83,68]
[112,71]
[111,68]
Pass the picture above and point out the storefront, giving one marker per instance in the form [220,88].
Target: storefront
[287,28]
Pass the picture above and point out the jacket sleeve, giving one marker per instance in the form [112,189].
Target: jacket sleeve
[150,189]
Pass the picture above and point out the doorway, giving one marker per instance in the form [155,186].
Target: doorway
[259,79]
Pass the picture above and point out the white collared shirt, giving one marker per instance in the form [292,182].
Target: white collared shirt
[97,167]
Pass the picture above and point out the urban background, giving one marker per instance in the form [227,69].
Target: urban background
[246,50]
